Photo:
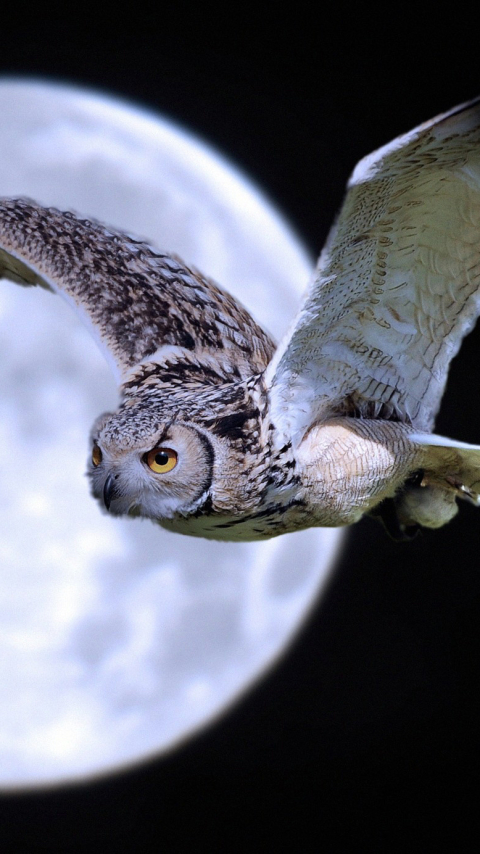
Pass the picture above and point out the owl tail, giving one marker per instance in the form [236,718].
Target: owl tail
[451,464]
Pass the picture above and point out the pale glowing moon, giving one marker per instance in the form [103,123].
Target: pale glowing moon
[118,639]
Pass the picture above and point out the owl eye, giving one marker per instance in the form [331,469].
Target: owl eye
[96,455]
[161,460]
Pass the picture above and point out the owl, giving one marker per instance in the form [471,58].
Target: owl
[222,434]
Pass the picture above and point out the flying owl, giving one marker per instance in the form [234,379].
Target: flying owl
[221,434]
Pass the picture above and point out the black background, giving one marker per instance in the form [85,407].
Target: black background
[367,733]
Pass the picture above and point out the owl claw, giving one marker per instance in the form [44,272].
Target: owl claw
[386,513]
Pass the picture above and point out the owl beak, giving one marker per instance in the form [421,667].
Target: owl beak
[109,490]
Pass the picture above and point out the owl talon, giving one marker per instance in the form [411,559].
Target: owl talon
[386,513]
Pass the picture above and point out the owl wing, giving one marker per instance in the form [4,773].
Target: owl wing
[396,287]
[136,301]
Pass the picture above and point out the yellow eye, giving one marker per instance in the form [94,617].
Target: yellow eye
[161,460]
[96,455]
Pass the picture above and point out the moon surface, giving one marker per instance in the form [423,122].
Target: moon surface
[118,640]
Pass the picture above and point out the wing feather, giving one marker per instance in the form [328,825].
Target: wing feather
[136,301]
[396,287]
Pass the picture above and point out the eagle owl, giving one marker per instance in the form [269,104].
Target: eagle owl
[221,434]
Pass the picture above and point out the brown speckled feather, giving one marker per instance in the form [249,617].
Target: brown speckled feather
[134,299]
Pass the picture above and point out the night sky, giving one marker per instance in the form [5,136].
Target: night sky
[368,728]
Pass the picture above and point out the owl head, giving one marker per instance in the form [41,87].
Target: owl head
[192,456]
[141,466]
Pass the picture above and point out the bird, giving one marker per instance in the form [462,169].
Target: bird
[221,433]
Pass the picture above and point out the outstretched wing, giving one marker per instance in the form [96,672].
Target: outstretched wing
[134,299]
[397,285]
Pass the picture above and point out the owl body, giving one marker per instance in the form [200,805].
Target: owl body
[237,480]
[242,479]
[221,434]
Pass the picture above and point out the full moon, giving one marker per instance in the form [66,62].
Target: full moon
[118,639]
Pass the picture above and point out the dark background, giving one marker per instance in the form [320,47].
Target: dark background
[367,732]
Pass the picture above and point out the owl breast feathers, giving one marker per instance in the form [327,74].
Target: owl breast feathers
[220,434]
